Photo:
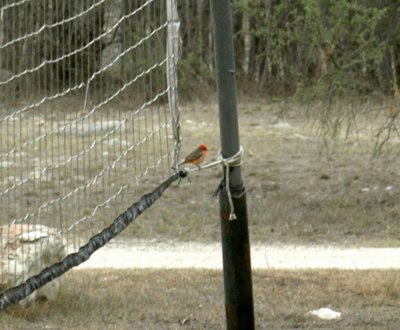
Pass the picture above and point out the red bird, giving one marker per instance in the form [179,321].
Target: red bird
[197,156]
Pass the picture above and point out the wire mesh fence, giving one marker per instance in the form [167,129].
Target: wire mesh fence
[88,119]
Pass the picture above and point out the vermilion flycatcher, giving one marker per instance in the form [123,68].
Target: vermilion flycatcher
[197,156]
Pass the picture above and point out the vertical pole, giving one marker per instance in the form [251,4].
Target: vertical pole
[172,78]
[239,307]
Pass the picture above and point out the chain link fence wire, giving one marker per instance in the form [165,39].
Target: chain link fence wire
[88,120]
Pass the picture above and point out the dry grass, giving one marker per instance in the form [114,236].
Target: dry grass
[305,184]
[62,167]
[300,190]
[191,299]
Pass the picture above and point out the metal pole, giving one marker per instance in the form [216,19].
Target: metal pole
[235,235]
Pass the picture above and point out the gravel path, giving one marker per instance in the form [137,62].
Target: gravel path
[170,254]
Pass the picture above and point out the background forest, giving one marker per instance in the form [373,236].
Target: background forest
[311,49]
[307,48]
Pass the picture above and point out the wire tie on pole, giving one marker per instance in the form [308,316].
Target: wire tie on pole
[233,161]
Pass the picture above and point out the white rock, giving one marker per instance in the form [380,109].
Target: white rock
[25,250]
[6,164]
[96,127]
[33,235]
[281,124]
[325,314]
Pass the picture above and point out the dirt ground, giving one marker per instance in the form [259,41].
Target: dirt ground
[161,254]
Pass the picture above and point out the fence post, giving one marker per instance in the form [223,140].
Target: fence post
[239,307]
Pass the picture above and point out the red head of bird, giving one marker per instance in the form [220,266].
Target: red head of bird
[197,156]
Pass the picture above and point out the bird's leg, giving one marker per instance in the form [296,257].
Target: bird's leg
[178,182]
